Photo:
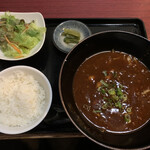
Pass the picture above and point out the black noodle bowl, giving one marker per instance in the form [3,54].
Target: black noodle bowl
[121,41]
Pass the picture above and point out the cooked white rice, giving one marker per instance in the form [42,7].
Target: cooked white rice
[21,99]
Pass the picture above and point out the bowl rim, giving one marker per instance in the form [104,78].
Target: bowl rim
[110,31]
[64,105]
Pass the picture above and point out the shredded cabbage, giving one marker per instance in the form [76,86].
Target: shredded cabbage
[17,37]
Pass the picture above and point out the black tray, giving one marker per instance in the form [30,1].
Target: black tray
[49,61]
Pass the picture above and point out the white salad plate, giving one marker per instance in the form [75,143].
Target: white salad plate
[28,17]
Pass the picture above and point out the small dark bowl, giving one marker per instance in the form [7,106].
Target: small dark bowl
[121,41]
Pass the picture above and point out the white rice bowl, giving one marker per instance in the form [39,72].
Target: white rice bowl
[25,99]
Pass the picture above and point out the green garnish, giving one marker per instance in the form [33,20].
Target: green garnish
[113,94]
[127,118]
[105,98]
[115,74]
[99,88]
[112,91]
[87,107]
[104,83]
[97,111]
[104,106]
[103,91]
[115,98]
[118,104]
[109,104]
[105,73]
[129,109]
[119,92]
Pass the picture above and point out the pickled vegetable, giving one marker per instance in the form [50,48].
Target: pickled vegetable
[71,36]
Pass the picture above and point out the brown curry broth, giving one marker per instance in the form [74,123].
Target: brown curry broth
[130,72]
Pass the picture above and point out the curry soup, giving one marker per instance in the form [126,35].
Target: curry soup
[112,91]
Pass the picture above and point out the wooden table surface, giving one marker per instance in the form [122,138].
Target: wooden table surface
[83,9]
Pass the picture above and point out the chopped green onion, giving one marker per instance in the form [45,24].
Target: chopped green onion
[85,106]
[103,91]
[120,85]
[115,97]
[118,104]
[127,118]
[112,91]
[109,104]
[124,97]
[129,109]
[119,92]
[115,74]
[104,106]
[105,98]
[109,100]
[105,73]
[104,83]
[96,111]
[99,88]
